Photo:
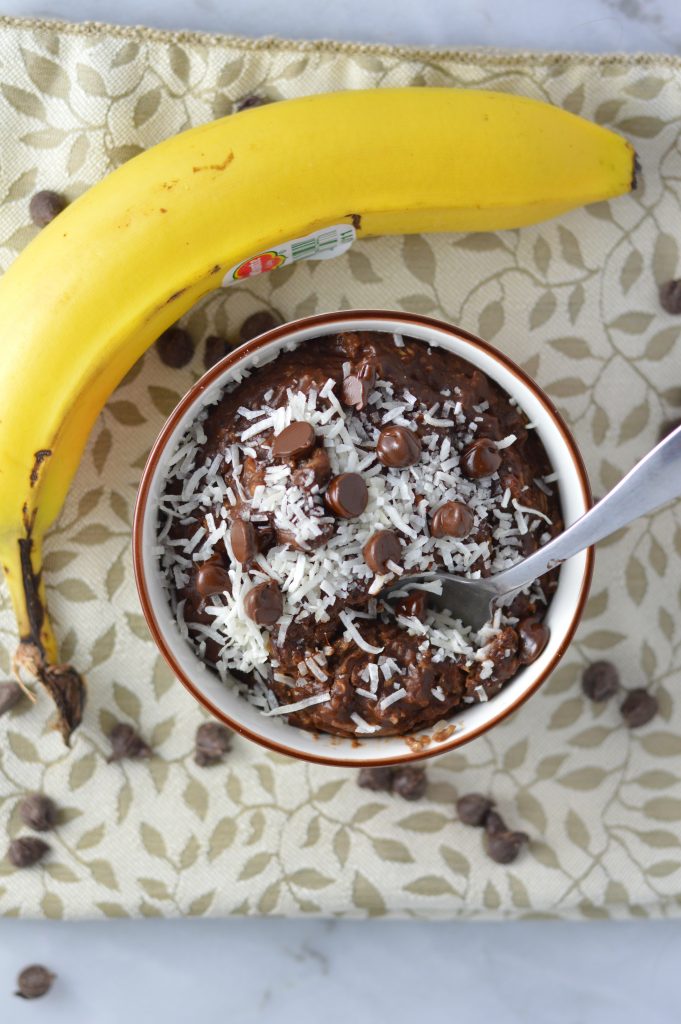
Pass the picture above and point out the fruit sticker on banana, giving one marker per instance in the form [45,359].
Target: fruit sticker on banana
[318,245]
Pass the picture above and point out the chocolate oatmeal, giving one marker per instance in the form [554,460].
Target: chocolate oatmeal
[320,478]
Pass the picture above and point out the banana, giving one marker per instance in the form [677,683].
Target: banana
[129,257]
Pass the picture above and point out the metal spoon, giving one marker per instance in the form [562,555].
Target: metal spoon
[653,481]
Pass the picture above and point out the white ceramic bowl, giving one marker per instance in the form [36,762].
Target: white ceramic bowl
[563,615]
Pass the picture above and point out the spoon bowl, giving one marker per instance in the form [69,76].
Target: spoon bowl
[223,701]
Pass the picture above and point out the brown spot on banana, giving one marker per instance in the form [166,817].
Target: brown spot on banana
[31,584]
[215,167]
[40,456]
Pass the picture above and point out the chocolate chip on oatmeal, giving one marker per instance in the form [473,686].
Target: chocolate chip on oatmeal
[212,578]
[264,603]
[503,846]
[638,708]
[10,695]
[353,392]
[666,429]
[175,347]
[670,296]
[248,102]
[215,350]
[347,495]
[600,681]
[534,636]
[257,324]
[34,981]
[410,782]
[126,743]
[357,387]
[26,851]
[382,547]
[242,537]
[398,447]
[313,471]
[376,779]
[453,519]
[473,809]
[45,206]
[480,458]
[38,812]
[294,441]
[213,740]
[413,605]
[366,371]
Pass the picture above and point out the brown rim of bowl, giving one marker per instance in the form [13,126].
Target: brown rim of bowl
[321,320]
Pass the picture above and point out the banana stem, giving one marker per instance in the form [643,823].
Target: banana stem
[37,651]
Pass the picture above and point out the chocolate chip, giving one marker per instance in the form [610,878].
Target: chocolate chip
[296,440]
[213,740]
[313,471]
[600,681]
[453,519]
[354,392]
[366,371]
[38,812]
[666,429]
[504,846]
[534,636]
[480,458]
[376,779]
[45,206]
[126,743]
[26,851]
[264,603]
[414,605]
[398,447]
[212,578]
[382,547]
[494,822]
[638,708]
[410,783]
[258,323]
[175,347]
[244,543]
[248,102]
[670,296]
[347,495]
[357,386]
[10,695]
[215,350]
[34,981]
[473,809]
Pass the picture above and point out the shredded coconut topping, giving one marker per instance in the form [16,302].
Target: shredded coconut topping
[324,560]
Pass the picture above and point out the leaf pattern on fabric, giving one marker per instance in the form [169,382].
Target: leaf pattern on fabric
[575,302]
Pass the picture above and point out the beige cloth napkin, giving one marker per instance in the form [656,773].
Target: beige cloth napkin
[575,301]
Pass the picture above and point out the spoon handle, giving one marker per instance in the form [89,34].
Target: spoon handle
[653,481]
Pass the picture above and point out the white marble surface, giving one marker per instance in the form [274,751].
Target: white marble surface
[524,24]
[163,972]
